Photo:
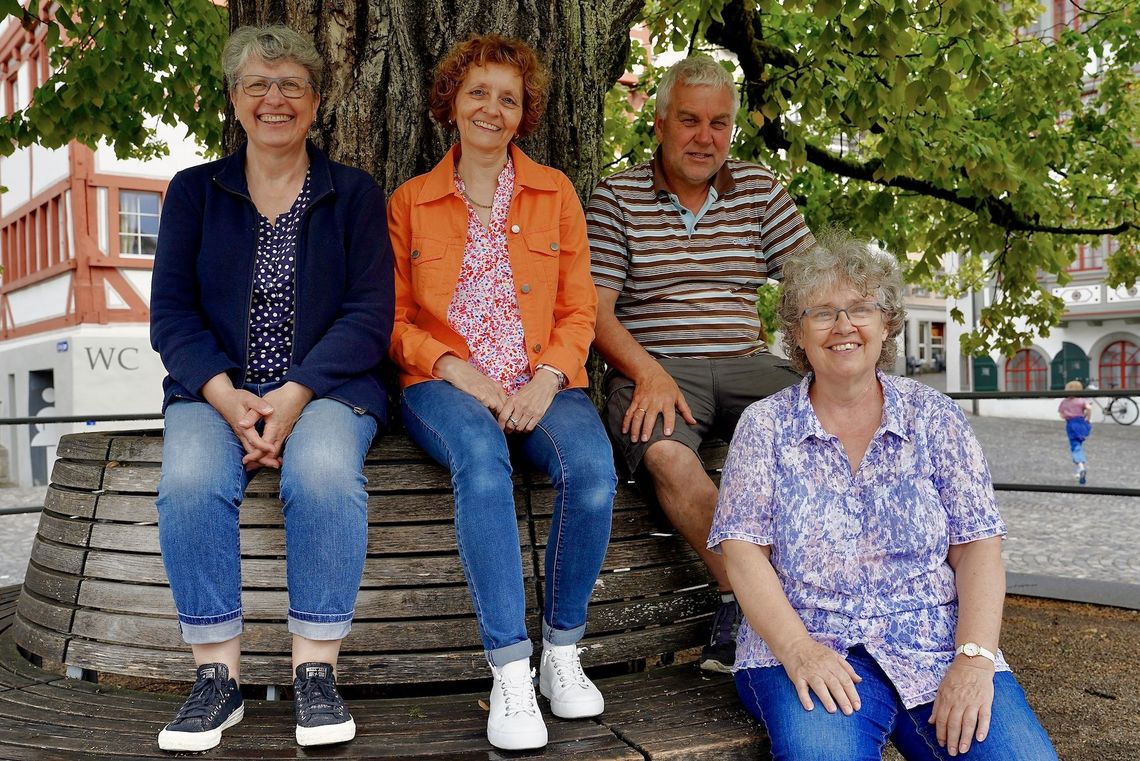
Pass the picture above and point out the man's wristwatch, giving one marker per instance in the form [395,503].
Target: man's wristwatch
[561,375]
[974,650]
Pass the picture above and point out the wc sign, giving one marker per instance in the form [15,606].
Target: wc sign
[113,357]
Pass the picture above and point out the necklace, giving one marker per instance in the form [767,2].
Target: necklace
[476,203]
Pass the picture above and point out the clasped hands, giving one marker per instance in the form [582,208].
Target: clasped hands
[277,412]
[518,413]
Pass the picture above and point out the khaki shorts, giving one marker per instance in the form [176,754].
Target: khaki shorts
[717,391]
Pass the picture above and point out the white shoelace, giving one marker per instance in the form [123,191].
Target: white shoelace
[518,697]
[569,669]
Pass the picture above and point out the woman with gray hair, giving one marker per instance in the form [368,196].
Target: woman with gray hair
[860,531]
[271,308]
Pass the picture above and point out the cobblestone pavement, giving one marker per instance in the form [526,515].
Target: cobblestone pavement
[1068,535]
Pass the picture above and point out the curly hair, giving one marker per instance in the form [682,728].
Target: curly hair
[480,50]
[274,42]
[838,259]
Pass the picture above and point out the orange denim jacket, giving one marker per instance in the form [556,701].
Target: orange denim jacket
[550,263]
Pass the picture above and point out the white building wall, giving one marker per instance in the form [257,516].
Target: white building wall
[184,152]
[95,370]
[50,165]
[16,177]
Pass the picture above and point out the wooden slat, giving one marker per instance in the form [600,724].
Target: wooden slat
[68,560]
[63,530]
[69,503]
[77,475]
[366,636]
[48,614]
[264,510]
[654,611]
[263,542]
[83,446]
[386,604]
[51,584]
[650,581]
[269,573]
[49,645]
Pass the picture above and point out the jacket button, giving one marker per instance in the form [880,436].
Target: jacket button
[537,348]
[416,254]
[525,288]
[553,246]
[515,228]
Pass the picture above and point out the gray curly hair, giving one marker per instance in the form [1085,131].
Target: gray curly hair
[839,259]
[273,42]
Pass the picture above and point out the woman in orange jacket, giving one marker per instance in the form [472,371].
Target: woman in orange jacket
[495,313]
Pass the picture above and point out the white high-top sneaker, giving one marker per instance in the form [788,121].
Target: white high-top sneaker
[571,693]
[515,723]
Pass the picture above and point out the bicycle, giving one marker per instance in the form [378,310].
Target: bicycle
[1122,409]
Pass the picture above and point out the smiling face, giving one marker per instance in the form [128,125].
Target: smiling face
[694,135]
[272,121]
[488,108]
[842,351]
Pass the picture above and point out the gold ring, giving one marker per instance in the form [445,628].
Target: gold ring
[642,409]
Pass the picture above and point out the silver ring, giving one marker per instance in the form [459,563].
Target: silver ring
[512,421]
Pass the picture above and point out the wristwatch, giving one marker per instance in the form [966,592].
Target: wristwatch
[973,650]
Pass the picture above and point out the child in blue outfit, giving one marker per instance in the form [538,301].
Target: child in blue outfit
[1076,413]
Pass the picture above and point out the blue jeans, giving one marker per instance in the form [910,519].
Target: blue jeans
[817,735]
[325,509]
[570,445]
[1077,430]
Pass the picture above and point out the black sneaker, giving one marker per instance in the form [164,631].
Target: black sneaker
[214,704]
[321,716]
[720,653]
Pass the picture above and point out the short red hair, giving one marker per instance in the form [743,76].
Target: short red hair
[480,50]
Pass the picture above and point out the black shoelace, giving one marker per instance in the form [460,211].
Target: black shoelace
[204,695]
[319,697]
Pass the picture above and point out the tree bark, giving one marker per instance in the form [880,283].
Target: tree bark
[380,57]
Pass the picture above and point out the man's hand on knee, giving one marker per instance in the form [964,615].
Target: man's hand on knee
[655,393]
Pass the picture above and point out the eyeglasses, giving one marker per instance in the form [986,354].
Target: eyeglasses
[859,315]
[290,87]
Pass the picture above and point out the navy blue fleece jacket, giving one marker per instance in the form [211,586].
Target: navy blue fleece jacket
[203,282]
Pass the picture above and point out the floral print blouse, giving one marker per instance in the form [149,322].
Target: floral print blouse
[862,556]
[485,308]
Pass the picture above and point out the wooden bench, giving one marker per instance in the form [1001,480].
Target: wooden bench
[96,597]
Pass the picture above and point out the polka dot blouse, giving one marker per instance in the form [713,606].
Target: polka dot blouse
[271,309]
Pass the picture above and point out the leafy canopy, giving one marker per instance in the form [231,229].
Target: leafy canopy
[122,64]
[937,128]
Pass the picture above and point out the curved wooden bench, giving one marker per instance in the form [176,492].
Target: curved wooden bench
[96,597]
[668,713]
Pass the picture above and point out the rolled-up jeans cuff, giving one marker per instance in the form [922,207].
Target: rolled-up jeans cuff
[213,632]
[502,656]
[562,637]
[319,627]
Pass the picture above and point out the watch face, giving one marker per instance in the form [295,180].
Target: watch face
[970,649]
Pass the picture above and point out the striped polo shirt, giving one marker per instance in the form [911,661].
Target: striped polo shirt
[687,287]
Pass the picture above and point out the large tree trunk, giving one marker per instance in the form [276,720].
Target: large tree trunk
[381,54]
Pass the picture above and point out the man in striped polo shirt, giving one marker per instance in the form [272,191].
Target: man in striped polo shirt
[679,247]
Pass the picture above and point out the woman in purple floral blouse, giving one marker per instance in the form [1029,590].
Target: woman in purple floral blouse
[858,522]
